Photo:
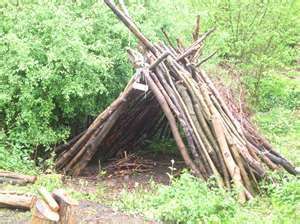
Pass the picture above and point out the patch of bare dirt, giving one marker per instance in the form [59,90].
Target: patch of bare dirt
[93,213]
[116,179]
[87,212]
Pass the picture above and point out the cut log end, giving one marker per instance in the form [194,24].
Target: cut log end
[42,213]
[67,207]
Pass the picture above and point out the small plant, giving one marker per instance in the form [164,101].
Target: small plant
[172,169]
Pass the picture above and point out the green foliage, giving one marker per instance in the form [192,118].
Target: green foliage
[275,91]
[279,121]
[164,146]
[282,128]
[186,200]
[283,189]
[60,62]
[253,32]
[279,203]
[15,158]
[257,36]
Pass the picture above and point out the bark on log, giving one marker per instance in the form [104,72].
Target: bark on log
[228,158]
[67,207]
[16,200]
[131,26]
[7,180]
[174,129]
[12,175]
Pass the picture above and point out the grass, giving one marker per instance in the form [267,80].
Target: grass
[282,128]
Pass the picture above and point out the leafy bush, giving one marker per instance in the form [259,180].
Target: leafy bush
[15,158]
[60,62]
[255,35]
[253,32]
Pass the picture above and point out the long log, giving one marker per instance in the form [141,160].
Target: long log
[66,157]
[87,152]
[16,200]
[18,176]
[228,158]
[172,121]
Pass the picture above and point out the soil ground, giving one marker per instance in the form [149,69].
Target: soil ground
[113,183]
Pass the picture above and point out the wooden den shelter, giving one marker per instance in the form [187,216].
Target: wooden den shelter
[170,91]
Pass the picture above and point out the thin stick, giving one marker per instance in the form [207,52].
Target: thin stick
[131,26]
[205,59]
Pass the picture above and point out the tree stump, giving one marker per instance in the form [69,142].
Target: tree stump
[42,214]
[66,207]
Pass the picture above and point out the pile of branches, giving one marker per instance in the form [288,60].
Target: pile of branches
[128,165]
[170,91]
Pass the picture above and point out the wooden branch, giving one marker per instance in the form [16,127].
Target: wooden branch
[159,60]
[195,45]
[124,8]
[172,122]
[206,59]
[229,161]
[130,25]
[167,38]
[66,157]
[7,180]
[87,152]
[197,28]
[20,177]
[60,148]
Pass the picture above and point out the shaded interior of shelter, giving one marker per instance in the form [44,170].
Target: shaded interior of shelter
[140,124]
